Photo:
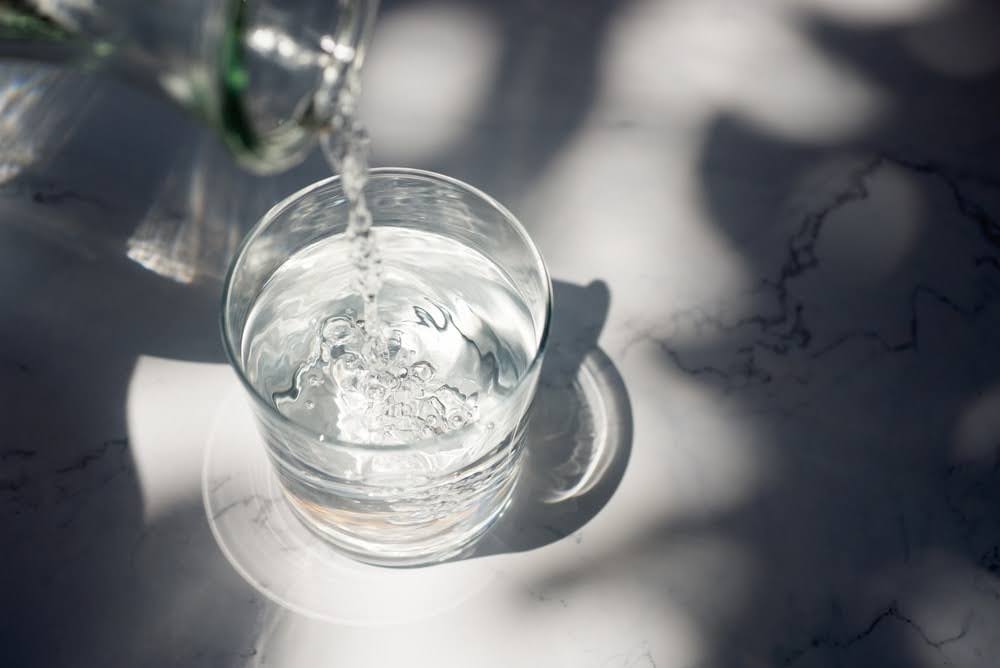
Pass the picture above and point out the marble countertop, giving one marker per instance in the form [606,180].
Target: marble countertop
[775,231]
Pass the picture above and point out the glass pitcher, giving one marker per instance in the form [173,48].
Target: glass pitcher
[264,73]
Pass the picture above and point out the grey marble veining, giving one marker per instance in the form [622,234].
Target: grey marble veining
[776,223]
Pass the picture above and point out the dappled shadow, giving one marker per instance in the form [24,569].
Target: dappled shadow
[860,370]
[543,86]
[88,578]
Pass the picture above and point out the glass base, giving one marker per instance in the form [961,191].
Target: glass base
[424,553]
[261,535]
[415,523]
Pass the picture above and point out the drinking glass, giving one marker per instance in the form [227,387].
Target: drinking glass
[428,499]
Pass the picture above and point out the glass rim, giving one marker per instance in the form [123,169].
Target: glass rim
[424,444]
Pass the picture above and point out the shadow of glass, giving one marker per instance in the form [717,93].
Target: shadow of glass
[580,435]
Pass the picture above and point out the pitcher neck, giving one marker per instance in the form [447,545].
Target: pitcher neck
[264,73]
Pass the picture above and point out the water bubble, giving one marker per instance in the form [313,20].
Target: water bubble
[386,379]
[310,404]
[345,370]
[314,379]
[349,362]
[431,420]
[394,343]
[490,426]
[337,330]
[422,371]
[450,398]
[472,401]
[457,420]
[433,406]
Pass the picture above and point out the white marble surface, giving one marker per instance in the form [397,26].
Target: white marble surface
[788,214]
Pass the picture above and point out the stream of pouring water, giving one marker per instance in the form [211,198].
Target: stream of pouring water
[346,147]
[407,374]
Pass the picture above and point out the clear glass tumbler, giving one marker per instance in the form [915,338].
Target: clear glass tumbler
[465,287]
